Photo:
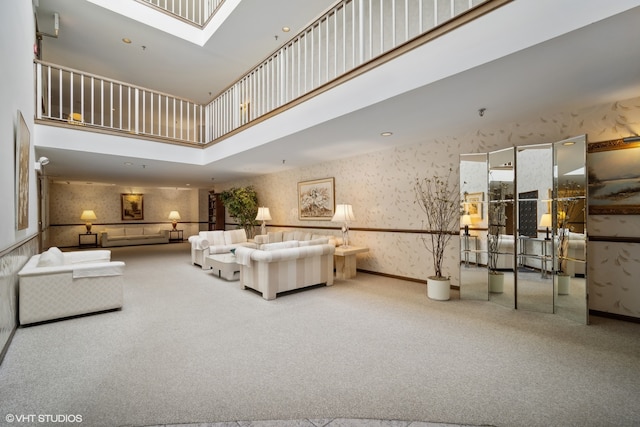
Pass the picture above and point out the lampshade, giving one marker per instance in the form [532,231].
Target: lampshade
[263,214]
[174,215]
[344,213]
[88,215]
[545,220]
[466,219]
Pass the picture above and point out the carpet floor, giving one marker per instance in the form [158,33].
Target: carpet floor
[191,348]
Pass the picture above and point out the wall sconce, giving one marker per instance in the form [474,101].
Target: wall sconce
[466,221]
[42,161]
[263,215]
[545,221]
[344,214]
[174,216]
[88,216]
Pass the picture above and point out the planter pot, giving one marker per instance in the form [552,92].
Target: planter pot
[496,282]
[563,284]
[438,288]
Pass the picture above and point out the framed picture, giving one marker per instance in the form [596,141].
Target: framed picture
[614,178]
[473,204]
[132,207]
[22,153]
[316,199]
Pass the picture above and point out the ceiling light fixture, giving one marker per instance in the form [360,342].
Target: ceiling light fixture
[126,40]
[386,134]
[286,29]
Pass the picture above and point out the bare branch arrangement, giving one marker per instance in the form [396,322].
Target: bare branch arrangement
[439,199]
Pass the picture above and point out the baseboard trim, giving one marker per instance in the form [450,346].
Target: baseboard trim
[394,276]
[615,316]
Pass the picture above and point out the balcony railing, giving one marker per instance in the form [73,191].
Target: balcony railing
[349,35]
[70,96]
[197,12]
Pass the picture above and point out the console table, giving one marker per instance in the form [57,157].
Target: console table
[345,261]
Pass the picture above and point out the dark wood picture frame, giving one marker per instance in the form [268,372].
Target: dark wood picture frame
[132,207]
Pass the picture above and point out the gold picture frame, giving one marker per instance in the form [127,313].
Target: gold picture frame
[473,204]
[614,178]
[316,199]
[132,207]
[23,155]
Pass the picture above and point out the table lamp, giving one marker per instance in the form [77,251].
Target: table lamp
[88,216]
[344,214]
[263,215]
[545,221]
[466,221]
[174,216]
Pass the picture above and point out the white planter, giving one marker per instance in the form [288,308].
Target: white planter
[496,282]
[563,284]
[438,288]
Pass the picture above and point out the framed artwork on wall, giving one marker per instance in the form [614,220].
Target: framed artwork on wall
[473,204]
[614,178]
[316,199]
[132,207]
[22,153]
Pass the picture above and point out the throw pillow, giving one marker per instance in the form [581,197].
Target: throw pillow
[51,258]
[134,231]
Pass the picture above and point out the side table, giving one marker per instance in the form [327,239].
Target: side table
[87,240]
[345,261]
[175,235]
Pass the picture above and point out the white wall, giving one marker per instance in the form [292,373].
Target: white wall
[380,188]
[17,37]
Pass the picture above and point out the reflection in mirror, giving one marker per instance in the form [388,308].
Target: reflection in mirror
[534,177]
[473,253]
[501,243]
[569,236]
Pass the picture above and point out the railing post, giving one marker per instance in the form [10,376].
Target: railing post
[136,95]
[38,99]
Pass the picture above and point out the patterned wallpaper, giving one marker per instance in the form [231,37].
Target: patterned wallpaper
[67,201]
[379,185]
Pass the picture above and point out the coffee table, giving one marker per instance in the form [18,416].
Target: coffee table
[226,264]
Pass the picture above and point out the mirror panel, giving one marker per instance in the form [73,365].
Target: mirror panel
[570,229]
[501,241]
[473,243]
[534,180]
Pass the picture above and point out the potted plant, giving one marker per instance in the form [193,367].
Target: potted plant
[497,223]
[439,199]
[242,205]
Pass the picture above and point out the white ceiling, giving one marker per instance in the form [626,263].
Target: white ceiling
[597,63]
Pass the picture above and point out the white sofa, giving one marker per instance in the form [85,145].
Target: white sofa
[293,235]
[285,266]
[55,285]
[133,235]
[208,243]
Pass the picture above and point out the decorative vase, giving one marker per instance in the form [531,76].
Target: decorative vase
[563,283]
[438,288]
[496,282]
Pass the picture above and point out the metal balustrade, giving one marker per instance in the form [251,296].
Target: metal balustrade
[349,35]
[197,12]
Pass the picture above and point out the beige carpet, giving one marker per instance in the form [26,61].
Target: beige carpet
[191,348]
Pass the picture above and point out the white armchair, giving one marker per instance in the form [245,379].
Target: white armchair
[208,243]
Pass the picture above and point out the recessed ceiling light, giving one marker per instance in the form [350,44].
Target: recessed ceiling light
[567,143]
[128,164]
[286,29]
[386,133]
[126,40]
